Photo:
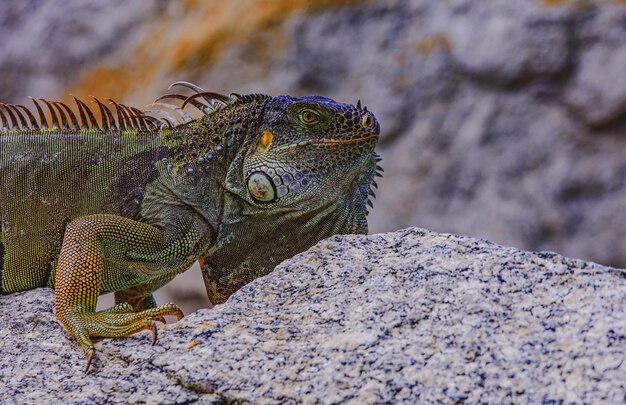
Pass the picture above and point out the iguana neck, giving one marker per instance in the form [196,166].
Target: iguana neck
[199,156]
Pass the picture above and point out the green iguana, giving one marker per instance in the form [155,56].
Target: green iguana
[126,203]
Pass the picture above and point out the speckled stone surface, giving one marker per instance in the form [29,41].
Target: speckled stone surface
[398,317]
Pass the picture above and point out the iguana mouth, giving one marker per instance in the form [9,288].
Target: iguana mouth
[324,142]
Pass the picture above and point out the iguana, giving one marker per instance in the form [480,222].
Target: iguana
[125,203]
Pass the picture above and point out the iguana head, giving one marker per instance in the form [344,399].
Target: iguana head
[280,153]
[308,151]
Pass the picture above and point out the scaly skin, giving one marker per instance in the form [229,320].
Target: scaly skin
[126,205]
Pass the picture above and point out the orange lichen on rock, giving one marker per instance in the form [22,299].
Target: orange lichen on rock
[210,26]
[112,82]
[429,44]
[578,4]
[554,2]
[187,38]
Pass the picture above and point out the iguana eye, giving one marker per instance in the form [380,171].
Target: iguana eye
[309,117]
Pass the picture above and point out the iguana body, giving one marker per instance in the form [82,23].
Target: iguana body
[126,204]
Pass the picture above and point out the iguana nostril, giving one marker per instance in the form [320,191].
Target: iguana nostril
[367,121]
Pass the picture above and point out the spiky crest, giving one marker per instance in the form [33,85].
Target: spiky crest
[17,117]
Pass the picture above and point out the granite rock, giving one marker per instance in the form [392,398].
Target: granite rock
[508,41]
[405,316]
[48,44]
[595,96]
[502,119]
[595,92]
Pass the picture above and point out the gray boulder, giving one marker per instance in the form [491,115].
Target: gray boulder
[400,317]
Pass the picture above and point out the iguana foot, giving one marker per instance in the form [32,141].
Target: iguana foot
[118,321]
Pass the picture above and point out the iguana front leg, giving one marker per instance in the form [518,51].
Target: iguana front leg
[79,278]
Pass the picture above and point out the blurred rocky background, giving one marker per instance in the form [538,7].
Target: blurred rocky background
[501,119]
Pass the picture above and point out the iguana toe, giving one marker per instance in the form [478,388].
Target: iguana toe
[154,333]
[120,308]
[90,353]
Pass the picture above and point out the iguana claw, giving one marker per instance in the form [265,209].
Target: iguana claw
[154,333]
[90,352]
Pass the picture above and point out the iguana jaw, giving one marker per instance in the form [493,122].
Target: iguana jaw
[324,142]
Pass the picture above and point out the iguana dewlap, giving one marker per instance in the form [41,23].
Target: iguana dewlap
[126,203]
